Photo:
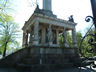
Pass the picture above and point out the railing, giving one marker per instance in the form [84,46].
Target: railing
[92,45]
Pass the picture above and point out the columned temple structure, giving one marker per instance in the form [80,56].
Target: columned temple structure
[43,28]
[41,33]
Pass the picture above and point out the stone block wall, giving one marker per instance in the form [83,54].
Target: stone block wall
[50,55]
[39,55]
[53,50]
[13,58]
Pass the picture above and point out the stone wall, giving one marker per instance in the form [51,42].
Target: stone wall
[51,55]
[13,58]
[53,50]
[48,55]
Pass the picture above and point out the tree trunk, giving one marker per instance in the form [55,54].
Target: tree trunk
[5,48]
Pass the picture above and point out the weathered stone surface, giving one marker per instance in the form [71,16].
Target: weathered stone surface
[37,57]
[11,60]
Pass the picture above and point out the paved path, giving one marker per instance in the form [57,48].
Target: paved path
[87,69]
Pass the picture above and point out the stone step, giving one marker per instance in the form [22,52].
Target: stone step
[30,61]
[44,61]
[46,55]
[43,67]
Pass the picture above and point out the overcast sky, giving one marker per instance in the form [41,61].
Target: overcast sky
[62,8]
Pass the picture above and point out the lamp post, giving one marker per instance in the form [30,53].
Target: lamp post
[93,5]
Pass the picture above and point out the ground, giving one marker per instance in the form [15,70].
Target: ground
[83,69]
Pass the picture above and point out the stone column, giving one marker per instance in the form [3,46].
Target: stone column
[47,5]
[31,38]
[36,36]
[65,38]
[30,41]
[43,36]
[24,39]
[57,33]
[74,38]
[50,35]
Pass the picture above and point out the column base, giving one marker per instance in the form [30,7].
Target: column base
[35,43]
[75,45]
[30,44]
[26,45]
[50,44]
[66,45]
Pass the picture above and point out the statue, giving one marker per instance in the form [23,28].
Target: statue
[71,18]
[50,35]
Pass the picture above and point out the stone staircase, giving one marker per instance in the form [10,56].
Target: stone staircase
[36,59]
[32,63]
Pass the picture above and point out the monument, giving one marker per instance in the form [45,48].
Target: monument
[41,33]
[43,28]
[41,48]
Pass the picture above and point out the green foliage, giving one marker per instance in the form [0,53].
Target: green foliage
[69,39]
[8,30]
[5,18]
[4,4]
[86,48]
[8,34]
[61,40]
[78,38]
